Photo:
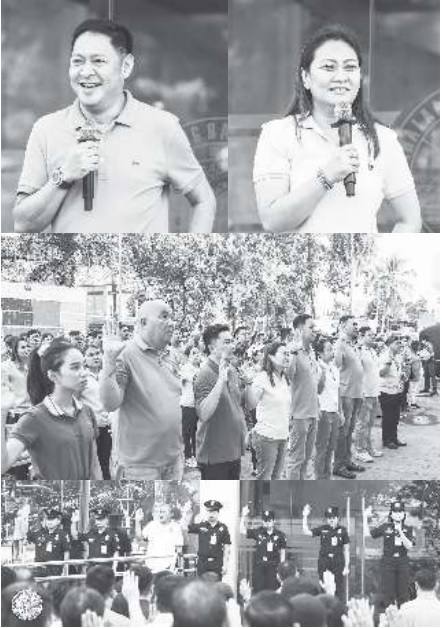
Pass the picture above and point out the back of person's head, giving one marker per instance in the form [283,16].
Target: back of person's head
[426,579]
[24,574]
[78,601]
[268,608]
[25,604]
[308,610]
[285,570]
[210,576]
[334,609]
[120,36]
[8,576]
[145,577]
[102,579]
[294,585]
[164,589]
[58,591]
[197,603]
[300,320]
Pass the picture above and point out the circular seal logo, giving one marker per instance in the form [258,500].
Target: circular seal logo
[208,138]
[419,134]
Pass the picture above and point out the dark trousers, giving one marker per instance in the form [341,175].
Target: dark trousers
[189,424]
[104,448]
[206,563]
[264,577]
[336,567]
[221,470]
[350,409]
[391,410]
[430,375]
[395,580]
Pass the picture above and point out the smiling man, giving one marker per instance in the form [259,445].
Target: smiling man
[136,153]
[139,381]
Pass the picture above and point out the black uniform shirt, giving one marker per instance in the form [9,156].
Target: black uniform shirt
[101,545]
[393,546]
[211,539]
[332,540]
[49,545]
[268,544]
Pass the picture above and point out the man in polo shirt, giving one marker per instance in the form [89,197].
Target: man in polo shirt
[306,380]
[221,427]
[348,360]
[136,152]
[138,380]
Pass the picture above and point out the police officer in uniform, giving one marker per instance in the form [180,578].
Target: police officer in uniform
[334,552]
[395,565]
[213,541]
[270,550]
[100,540]
[51,543]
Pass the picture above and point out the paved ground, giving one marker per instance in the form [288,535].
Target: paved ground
[418,461]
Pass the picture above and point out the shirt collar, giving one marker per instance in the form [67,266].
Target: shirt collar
[142,344]
[55,410]
[126,117]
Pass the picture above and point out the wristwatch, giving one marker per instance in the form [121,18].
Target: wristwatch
[57,179]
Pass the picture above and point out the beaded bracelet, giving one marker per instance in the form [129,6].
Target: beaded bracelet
[325,182]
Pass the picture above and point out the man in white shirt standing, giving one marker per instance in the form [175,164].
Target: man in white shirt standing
[365,452]
[390,370]
[164,539]
[425,609]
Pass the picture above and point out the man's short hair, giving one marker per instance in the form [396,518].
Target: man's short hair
[145,577]
[268,608]
[300,320]
[58,591]
[308,610]
[286,570]
[391,339]
[31,332]
[212,332]
[164,589]
[76,602]
[197,603]
[334,609]
[120,36]
[294,585]
[101,578]
[364,329]
[345,318]
[426,579]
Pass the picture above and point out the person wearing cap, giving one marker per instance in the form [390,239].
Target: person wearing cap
[398,538]
[100,540]
[213,541]
[51,543]
[270,550]
[334,553]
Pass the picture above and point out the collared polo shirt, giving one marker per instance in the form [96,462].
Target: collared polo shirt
[351,371]
[295,155]
[61,446]
[220,438]
[150,415]
[143,154]
[370,366]
[391,382]
[304,378]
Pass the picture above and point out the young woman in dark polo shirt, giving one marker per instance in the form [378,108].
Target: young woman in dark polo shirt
[59,431]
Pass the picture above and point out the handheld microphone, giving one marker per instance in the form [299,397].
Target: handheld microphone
[88,133]
[344,120]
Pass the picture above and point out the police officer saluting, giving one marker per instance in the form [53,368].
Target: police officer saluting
[51,543]
[395,565]
[100,540]
[334,553]
[270,550]
[213,541]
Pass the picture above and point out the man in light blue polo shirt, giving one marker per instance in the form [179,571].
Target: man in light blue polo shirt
[136,153]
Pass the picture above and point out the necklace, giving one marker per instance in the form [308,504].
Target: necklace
[57,408]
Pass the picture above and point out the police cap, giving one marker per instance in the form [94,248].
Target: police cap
[268,515]
[101,513]
[397,506]
[213,505]
[332,511]
[53,513]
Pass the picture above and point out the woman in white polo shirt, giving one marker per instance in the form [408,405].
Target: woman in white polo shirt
[270,395]
[299,167]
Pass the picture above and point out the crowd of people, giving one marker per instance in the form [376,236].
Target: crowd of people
[150,401]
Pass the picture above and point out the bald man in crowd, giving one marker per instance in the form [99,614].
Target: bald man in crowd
[138,380]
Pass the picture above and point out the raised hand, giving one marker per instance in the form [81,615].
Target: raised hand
[90,618]
[130,588]
[245,511]
[306,510]
[360,613]
[328,583]
[139,515]
[112,343]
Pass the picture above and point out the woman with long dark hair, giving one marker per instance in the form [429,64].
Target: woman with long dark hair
[300,166]
[59,431]
[270,395]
